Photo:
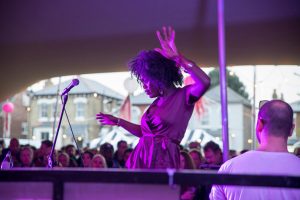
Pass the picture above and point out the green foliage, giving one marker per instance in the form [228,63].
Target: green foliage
[233,82]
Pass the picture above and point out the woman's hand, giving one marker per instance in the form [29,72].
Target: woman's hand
[167,43]
[107,119]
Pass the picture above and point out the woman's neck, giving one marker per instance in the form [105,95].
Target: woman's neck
[168,91]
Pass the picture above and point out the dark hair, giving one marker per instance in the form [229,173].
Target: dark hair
[120,142]
[232,153]
[129,150]
[106,147]
[89,153]
[189,162]
[70,146]
[194,143]
[212,146]
[48,143]
[156,67]
[277,117]
[244,151]
[197,152]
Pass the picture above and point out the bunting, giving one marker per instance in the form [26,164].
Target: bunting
[125,110]
[199,105]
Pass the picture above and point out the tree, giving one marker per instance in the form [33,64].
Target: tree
[233,81]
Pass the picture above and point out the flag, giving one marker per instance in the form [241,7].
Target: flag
[125,110]
[199,105]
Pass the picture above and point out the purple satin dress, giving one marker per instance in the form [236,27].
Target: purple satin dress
[163,128]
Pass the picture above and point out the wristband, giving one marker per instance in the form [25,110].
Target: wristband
[118,122]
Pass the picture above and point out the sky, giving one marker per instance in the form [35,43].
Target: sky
[285,79]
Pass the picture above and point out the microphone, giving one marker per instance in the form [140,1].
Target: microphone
[74,83]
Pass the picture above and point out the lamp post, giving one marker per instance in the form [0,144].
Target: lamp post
[253,125]
[29,135]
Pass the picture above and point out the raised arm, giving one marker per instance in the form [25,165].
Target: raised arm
[202,81]
[111,120]
[169,50]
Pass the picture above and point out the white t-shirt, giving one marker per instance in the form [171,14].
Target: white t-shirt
[259,163]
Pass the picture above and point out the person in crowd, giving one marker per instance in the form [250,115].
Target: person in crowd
[165,121]
[297,151]
[232,153]
[71,151]
[2,146]
[26,157]
[212,155]
[195,145]
[197,157]
[244,151]
[63,160]
[14,148]
[127,153]
[107,151]
[95,150]
[119,154]
[186,162]
[274,126]
[98,161]
[87,157]
[182,148]
[46,156]
[40,153]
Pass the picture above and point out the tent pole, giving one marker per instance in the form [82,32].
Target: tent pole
[253,136]
[223,86]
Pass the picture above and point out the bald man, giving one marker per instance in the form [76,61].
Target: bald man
[274,126]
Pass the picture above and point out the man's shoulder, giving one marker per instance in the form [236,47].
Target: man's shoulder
[237,159]
[240,161]
[259,161]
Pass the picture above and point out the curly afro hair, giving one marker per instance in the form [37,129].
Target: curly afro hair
[156,67]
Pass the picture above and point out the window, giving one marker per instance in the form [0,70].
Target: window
[107,104]
[80,107]
[44,135]
[43,111]
[80,110]
[24,126]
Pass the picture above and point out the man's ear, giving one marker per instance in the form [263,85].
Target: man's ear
[292,129]
[259,125]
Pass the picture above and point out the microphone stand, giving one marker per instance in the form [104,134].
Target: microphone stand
[50,158]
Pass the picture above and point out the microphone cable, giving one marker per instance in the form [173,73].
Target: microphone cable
[78,150]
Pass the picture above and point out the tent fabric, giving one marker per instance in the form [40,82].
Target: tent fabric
[44,39]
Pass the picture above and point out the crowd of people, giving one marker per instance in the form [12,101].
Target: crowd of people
[193,157]
[67,156]
[105,156]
